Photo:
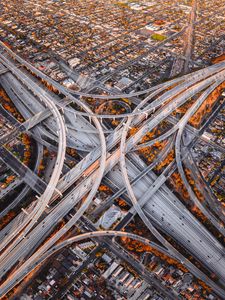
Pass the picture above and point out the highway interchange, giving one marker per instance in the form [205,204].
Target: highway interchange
[112,157]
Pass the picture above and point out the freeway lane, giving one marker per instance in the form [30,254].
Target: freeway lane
[137,207]
[28,176]
[184,121]
[197,75]
[43,201]
[115,248]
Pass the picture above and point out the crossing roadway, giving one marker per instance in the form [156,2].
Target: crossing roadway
[159,207]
